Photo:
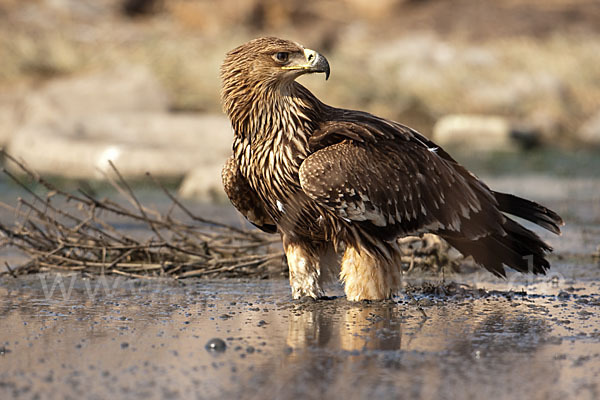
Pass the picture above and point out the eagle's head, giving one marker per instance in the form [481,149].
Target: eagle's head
[271,60]
[262,72]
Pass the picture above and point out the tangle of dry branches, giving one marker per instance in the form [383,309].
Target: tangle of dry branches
[63,231]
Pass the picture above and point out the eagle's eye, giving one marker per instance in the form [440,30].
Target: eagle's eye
[282,56]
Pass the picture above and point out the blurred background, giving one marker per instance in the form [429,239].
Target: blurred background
[506,85]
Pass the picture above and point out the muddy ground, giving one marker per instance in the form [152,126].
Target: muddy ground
[467,335]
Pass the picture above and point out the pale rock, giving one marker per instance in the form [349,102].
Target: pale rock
[8,119]
[481,133]
[164,145]
[204,183]
[129,88]
[589,132]
[473,132]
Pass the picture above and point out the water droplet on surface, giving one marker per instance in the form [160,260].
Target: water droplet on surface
[216,345]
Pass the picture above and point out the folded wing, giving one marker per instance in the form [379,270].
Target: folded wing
[395,185]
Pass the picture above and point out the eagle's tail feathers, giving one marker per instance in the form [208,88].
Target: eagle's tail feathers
[530,211]
[519,249]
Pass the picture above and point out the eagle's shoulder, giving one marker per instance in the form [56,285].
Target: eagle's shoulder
[363,127]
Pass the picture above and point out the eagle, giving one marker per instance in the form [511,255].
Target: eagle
[341,186]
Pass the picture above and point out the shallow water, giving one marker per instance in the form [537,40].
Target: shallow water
[126,338]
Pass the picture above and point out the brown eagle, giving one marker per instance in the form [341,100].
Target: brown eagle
[329,180]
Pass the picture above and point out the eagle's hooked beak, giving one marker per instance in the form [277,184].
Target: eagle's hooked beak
[315,62]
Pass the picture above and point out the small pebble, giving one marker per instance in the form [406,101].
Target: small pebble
[563,295]
[426,302]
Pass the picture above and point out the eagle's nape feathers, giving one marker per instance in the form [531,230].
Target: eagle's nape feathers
[329,178]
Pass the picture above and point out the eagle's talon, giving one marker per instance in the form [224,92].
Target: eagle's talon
[302,299]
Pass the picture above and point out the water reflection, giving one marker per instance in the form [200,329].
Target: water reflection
[391,326]
[346,326]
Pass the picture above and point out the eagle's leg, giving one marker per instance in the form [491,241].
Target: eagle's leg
[311,265]
[369,276]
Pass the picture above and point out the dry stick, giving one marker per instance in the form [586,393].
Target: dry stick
[111,208]
[252,258]
[137,203]
[118,210]
[47,185]
[119,258]
[185,251]
[41,236]
[31,192]
[115,247]
[130,275]
[90,200]
[236,266]
[61,227]
[10,271]
[48,254]
[88,263]
[95,264]
[126,193]
[192,215]
[36,177]
[249,245]
[104,225]
[50,225]
[70,268]
[40,215]
[172,208]
[151,223]
[24,237]
[200,272]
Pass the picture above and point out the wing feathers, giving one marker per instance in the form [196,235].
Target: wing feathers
[394,184]
[244,198]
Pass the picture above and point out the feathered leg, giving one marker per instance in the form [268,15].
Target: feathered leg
[311,265]
[369,276]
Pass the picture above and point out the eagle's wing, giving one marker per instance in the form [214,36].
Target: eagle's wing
[244,198]
[388,180]
[395,185]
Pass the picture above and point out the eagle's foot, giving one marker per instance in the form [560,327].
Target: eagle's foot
[304,283]
[303,295]
[304,272]
[368,277]
[305,287]
[310,265]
